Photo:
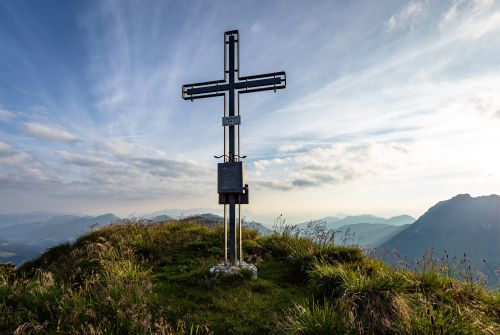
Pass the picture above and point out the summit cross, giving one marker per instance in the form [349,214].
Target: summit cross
[231,188]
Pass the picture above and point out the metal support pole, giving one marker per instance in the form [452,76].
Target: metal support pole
[239,220]
[231,97]
[232,229]
[232,200]
[225,234]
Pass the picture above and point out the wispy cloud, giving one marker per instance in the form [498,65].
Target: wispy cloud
[5,115]
[408,16]
[9,156]
[470,19]
[257,27]
[50,132]
[331,165]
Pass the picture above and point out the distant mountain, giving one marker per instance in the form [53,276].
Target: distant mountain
[55,230]
[261,229]
[462,224]
[368,234]
[175,213]
[21,218]
[219,219]
[400,220]
[208,217]
[18,253]
[334,222]
[161,218]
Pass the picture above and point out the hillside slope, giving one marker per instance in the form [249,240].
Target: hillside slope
[153,279]
[461,225]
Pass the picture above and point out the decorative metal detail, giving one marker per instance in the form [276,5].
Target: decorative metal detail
[231,188]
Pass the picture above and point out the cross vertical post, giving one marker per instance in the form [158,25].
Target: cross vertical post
[232,139]
[230,185]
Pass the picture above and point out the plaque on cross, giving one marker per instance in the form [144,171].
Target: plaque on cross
[231,188]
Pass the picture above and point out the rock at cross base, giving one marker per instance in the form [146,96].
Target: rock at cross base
[226,269]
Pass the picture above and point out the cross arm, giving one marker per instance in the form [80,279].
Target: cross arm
[262,82]
[206,89]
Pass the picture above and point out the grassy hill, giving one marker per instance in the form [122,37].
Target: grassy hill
[153,279]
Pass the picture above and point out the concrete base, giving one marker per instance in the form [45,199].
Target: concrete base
[227,269]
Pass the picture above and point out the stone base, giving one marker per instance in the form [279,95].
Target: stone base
[227,269]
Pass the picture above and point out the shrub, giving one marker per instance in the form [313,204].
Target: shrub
[370,296]
[312,318]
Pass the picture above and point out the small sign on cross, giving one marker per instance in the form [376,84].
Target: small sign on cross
[231,120]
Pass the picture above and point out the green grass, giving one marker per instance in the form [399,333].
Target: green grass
[153,279]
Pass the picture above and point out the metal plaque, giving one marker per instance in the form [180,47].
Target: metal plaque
[230,177]
[241,198]
[231,120]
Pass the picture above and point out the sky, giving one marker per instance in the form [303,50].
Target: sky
[390,106]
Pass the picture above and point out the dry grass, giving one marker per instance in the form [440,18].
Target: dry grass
[138,278]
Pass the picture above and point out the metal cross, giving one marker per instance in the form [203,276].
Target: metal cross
[231,187]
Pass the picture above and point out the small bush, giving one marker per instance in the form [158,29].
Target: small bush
[431,282]
[343,254]
[312,318]
[448,321]
[370,296]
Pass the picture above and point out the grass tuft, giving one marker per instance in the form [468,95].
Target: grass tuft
[313,318]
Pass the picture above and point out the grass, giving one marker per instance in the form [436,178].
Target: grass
[138,278]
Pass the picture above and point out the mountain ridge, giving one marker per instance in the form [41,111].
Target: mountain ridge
[457,226]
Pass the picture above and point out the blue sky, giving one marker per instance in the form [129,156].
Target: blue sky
[390,106]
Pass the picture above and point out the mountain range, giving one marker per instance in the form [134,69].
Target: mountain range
[365,230]
[54,230]
[25,236]
[22,239]
[462,224]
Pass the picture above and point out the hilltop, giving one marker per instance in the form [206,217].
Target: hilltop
[153,278]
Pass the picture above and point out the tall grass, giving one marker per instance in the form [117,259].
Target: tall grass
[313,318]
[98,287]
[370,297]
[153,279]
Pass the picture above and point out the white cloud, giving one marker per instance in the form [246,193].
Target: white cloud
[291,148]
[17,165]
[470,19]
[332,164]
[5,150]
[50,132]
[10,156]
[5,115]
[257,27]
[89,161]
[408,16]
